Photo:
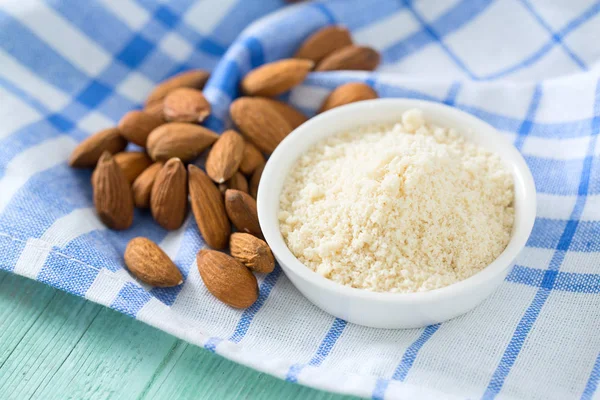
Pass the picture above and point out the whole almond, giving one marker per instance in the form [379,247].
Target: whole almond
[251,159]
[147,262]
[192,79]
[275,78]
[186,105]
[168,199]
[142,186]
[294,117]
[88,152]
[259,122]
[255,181]
[237,181]
[324,42]
[179,139]
[112,194]
[348,93]
[133,163]
[351,58]
[251,251]
[225,156]
[227,279]
[208,208]
[156,110]
[241,210]
[136,125]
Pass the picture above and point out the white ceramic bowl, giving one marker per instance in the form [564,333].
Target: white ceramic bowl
[393,310]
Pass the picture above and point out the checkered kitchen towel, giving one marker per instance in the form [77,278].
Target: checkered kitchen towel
[530,68]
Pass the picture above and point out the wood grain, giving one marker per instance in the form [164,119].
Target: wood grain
[57,346]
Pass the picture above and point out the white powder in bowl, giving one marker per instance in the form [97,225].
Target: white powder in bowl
[399,208]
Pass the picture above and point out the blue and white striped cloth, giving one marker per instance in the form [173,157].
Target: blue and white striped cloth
[530,68]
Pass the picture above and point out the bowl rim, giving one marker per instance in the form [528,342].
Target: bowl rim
[521,229]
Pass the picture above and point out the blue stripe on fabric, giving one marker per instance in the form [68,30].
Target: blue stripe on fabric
[410,355]
[334,333]
[380,388]
[406,363]
[452,20]
[439,39]
[249,313]
[325,11]
[531,314]
[592,383]
[452,93]
[131,299]
[575,23]
[555,38]
[528,123]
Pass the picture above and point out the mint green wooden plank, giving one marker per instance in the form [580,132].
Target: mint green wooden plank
[22,301]
[56,346]
[194,372]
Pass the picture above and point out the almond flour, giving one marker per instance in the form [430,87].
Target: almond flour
[403,208]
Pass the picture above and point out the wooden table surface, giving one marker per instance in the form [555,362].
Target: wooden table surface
[54,345]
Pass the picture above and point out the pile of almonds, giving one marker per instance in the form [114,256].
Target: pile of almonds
[162,176]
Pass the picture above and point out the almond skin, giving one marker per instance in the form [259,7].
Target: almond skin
[324,42]
[294,117]
[348,93]
[227,279]
[133,163]
[168,199]
[179,139]
[142,186]
[351,58]
[193,79]
[237,181]
[112,194]
[147,262]
[254,181]
[252,252]
[186,105]
[88,152]
[208,208]
[135,126]
[259,122]
[251,159]
[225,156]
[241,210]
[275,78]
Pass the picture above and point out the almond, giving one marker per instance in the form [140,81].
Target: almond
[179,139]
[225,156]
[275,78]
[348,93]
[208,208]
[259,122]
[147,262]
[252,252]
[237,181]
[192,79]
[136,125]
[241,210]
[88,152]
[294,117]
[351,58]
[168,199]
[112,194]
[133,163]
[186,105]
[227,279]
[255,180]
[251,159]
[156,110]
[324,42]
[142,186]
